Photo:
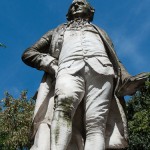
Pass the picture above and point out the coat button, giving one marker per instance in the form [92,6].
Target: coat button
[85,52]
[86,58]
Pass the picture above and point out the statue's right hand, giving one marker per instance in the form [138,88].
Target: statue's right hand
[53,67]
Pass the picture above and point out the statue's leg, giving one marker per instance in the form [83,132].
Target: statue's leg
[69,92]
[42,138]
[78,130]
[77,141]
[98,96]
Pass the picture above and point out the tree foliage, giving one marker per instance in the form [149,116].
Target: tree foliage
[16,118]
[138,114]
[15,122]
[2,45]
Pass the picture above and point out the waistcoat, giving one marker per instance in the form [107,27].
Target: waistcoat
[83,45]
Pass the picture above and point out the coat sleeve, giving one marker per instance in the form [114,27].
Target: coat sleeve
[38,56]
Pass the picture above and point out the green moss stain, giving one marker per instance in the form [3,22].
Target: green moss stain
[64,119]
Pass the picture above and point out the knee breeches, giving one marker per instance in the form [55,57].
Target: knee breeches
[93,88]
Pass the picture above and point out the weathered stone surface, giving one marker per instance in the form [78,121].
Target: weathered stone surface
[80,102]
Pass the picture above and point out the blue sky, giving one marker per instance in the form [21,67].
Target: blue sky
[23,22]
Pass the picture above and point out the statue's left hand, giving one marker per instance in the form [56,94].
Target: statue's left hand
[133,84]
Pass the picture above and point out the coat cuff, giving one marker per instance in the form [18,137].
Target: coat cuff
[46,60]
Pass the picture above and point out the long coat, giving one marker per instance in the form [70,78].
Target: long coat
[40,56]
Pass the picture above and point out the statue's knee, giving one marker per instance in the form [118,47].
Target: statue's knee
[65,104]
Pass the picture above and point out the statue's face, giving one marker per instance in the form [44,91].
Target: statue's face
[79,9]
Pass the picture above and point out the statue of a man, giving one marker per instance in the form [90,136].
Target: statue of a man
[80,101]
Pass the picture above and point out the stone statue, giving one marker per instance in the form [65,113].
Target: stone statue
[80,102]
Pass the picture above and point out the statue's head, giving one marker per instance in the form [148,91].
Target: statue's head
[80,9]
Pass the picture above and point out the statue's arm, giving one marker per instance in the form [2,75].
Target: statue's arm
[124,73]
[128,84]
[38,56]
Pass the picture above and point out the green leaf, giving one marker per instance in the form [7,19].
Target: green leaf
[138,114]
[15,121]
[2,45]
